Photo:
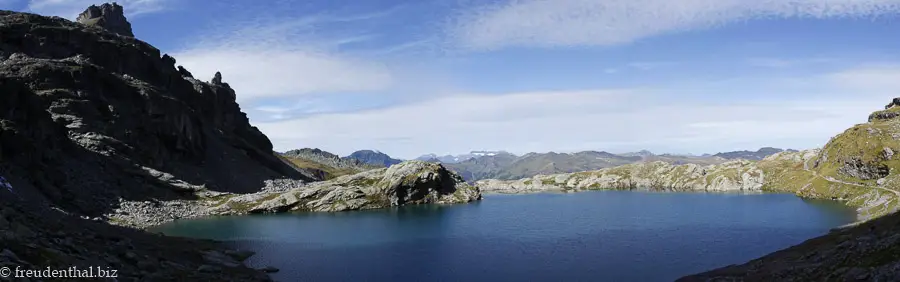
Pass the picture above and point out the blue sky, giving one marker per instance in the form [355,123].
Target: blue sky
[450,76]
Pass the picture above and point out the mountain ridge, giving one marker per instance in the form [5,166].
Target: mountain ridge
[323,164]
[507,166]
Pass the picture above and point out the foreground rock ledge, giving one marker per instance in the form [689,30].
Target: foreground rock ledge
[408,183]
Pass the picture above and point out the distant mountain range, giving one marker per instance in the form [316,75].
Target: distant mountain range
[502,165]
[373,158]
[450,159]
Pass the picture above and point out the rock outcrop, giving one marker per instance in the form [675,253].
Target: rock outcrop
[92,122]
[407,183]
[109,16]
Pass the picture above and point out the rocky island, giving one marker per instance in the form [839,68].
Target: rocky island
[101,132]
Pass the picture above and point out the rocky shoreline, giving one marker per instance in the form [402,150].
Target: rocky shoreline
[778,173]
[407,183]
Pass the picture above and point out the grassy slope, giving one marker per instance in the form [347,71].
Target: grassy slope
[821,177]
[869,251]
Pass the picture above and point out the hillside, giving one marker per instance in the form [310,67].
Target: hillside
[324,165]
[856,167]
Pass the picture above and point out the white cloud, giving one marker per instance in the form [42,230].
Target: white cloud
[884,79]
[275,71]
[285,57]
[615,120]
[552,23]
[71,8]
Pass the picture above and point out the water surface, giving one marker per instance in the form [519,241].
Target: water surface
[589,236]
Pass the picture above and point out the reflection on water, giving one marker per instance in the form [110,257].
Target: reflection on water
[590,236]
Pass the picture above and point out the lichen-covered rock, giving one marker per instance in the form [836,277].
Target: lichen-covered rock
[411,182]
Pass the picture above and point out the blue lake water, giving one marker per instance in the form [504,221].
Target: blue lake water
[589,236]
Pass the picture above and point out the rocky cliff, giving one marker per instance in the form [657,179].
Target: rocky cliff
[86,113]
[92,121]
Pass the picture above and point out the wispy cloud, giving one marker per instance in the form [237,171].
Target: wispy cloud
[562,23]
[607,119]
[786,63]
[279,57]
[879,78]
[71,8]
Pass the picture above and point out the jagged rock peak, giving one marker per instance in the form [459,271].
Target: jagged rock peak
[217,78]
[110,16]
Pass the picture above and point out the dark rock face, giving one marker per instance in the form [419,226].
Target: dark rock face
[109,16]
[93,108]
[89,119]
